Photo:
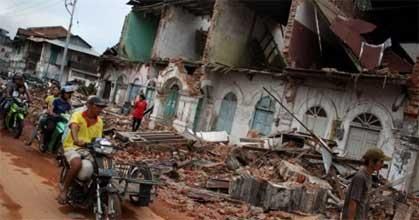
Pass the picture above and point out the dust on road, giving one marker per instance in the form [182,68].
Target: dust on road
[28,186]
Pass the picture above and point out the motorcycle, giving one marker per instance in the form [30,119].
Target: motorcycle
[96,191]
[15,116]
[55,138]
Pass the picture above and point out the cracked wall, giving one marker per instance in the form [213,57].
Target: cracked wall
[137,37]
[176,36]
[229,34]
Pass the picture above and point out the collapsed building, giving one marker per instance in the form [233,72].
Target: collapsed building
[5,50]
[348,69]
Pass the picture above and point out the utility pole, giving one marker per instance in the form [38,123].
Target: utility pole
[67,41]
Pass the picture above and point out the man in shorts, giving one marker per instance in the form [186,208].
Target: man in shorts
[84,126]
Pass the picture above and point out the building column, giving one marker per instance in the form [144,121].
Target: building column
[404,159]
[186,111]
[158,110]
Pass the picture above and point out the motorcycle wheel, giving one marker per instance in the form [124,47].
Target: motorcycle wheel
[113,203]
[41,146]
[17,130]
[143,197]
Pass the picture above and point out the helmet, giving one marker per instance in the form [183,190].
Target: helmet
[68,89]
[86,170]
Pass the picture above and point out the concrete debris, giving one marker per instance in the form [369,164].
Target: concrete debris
[403,212]
[288,196]
[156,137]
[296,173]
[213,136]
[219,181]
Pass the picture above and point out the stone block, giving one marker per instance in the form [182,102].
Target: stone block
[296,173]
[286,196]
[313,200]
[282,196]
[248,188]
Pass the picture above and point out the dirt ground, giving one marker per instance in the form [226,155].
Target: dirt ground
[28,187]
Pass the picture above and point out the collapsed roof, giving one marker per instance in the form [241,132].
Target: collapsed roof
[372,36]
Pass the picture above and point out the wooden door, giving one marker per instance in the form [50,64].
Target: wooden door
[226,114]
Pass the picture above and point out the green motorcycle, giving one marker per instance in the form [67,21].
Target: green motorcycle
[15,116]
[56,136]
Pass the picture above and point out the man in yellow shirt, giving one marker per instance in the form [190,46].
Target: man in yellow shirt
[84,127]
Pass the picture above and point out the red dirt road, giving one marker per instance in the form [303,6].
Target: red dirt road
[28,186]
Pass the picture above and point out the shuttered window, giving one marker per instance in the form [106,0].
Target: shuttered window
[364,134]
[264,115]
[316,120]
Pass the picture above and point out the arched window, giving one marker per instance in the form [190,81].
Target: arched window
[134,90]
[171,102]
[367,120]
[150,90]
[363,134]
[316,119]
[227,112]
[264,115]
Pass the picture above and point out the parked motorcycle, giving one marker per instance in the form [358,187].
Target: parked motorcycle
[55,138]
[15,116]
[94,190]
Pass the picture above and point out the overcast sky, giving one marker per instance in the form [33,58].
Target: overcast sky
[99,22]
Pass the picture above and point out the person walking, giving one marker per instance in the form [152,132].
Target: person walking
[137,115]
[356,202]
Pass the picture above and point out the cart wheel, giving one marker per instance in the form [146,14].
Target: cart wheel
[144,193]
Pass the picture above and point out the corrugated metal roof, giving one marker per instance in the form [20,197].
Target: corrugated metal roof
[44,32]
[73,47]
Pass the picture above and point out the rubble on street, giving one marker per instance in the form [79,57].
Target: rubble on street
[214,180]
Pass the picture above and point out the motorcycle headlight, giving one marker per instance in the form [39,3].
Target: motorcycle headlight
[104,149]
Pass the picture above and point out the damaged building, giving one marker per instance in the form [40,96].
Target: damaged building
[348,69]
[39,51]
[5,50]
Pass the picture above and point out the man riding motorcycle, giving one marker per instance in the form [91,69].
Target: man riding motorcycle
[84,126]
[16,88]
[54,93]
[60,105]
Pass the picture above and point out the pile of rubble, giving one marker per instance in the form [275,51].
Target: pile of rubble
[220,181]
[38,103]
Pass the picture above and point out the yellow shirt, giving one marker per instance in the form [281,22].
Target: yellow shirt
[49,100]
[86,133]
